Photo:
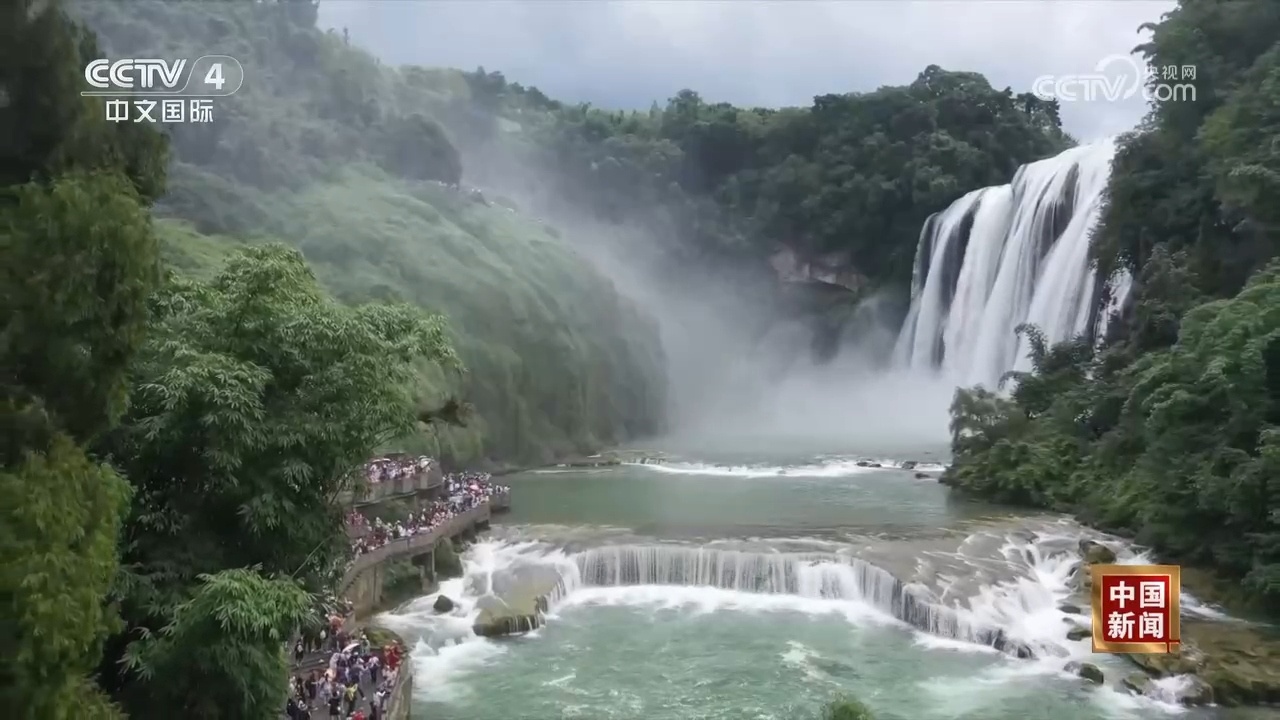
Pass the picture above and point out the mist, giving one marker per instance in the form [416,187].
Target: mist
[742,371]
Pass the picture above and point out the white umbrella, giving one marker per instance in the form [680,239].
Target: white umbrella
[351,647]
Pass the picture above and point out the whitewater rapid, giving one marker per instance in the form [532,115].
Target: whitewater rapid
[1007,255]
[1024,610]
[833,468]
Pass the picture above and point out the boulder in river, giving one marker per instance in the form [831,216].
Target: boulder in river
[1136,683]
[1195,691]
[443,604]
[1079,633]
[909,465]
[1088,671]
[447,563]
[1238,661]
[1016,648]
[923,476]
[1069,609]
[1095,553]
[512,616]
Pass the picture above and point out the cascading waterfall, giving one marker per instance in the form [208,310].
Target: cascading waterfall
[812,575]
[819,576]
[1003,256]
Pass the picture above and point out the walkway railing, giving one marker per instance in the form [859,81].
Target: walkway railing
[372,492]
[414,543]
[500,501]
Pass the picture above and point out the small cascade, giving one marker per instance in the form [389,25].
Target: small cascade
[998,589]
[812,575]
[1003,256]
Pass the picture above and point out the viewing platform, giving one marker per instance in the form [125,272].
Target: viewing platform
[363,581]
[424,481]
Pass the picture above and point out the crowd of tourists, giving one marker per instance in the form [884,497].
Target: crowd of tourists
[359,679]
[390,469]
[462,492]
[357,684]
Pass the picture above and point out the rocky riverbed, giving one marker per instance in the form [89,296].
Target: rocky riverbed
[1222,661]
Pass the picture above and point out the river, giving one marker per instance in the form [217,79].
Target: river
[761,585]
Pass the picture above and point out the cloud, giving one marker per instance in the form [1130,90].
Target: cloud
[628,54]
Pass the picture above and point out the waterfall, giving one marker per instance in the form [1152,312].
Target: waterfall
[1002,256]
[813,575]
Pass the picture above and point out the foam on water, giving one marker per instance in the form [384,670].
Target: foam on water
[827,468]
[1020,611]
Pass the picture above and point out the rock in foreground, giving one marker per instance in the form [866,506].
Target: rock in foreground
[1095,553]
[1088,671]
[512,616]
[1234,663]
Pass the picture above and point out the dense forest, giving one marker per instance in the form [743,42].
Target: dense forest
[1171,430]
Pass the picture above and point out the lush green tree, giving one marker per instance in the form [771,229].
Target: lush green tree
[255,399]
[77,260]
[58,548]
[221,655]
[46,127]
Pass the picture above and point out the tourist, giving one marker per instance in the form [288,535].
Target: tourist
[353,693]
[351,666]
[463,492]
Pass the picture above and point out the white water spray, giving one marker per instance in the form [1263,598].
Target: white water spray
[1002,256]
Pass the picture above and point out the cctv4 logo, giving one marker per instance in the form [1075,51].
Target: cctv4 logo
[145,74]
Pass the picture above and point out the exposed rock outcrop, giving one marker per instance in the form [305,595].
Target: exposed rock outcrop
[1234,663]
[520,601]
[832,269]
[512,616]
[1095,553]
[1079,633]
[443,605]
[1136,683]
[448,564]
[1088,671]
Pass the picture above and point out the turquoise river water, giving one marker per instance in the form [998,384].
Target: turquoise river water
[758,587]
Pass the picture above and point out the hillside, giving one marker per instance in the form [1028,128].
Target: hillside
[556,360]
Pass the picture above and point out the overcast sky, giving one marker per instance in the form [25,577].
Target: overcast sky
[627,54]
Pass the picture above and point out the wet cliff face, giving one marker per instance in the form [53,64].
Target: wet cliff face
[831,269]
[833,302]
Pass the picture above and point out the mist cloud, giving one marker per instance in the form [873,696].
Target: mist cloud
[629,54]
